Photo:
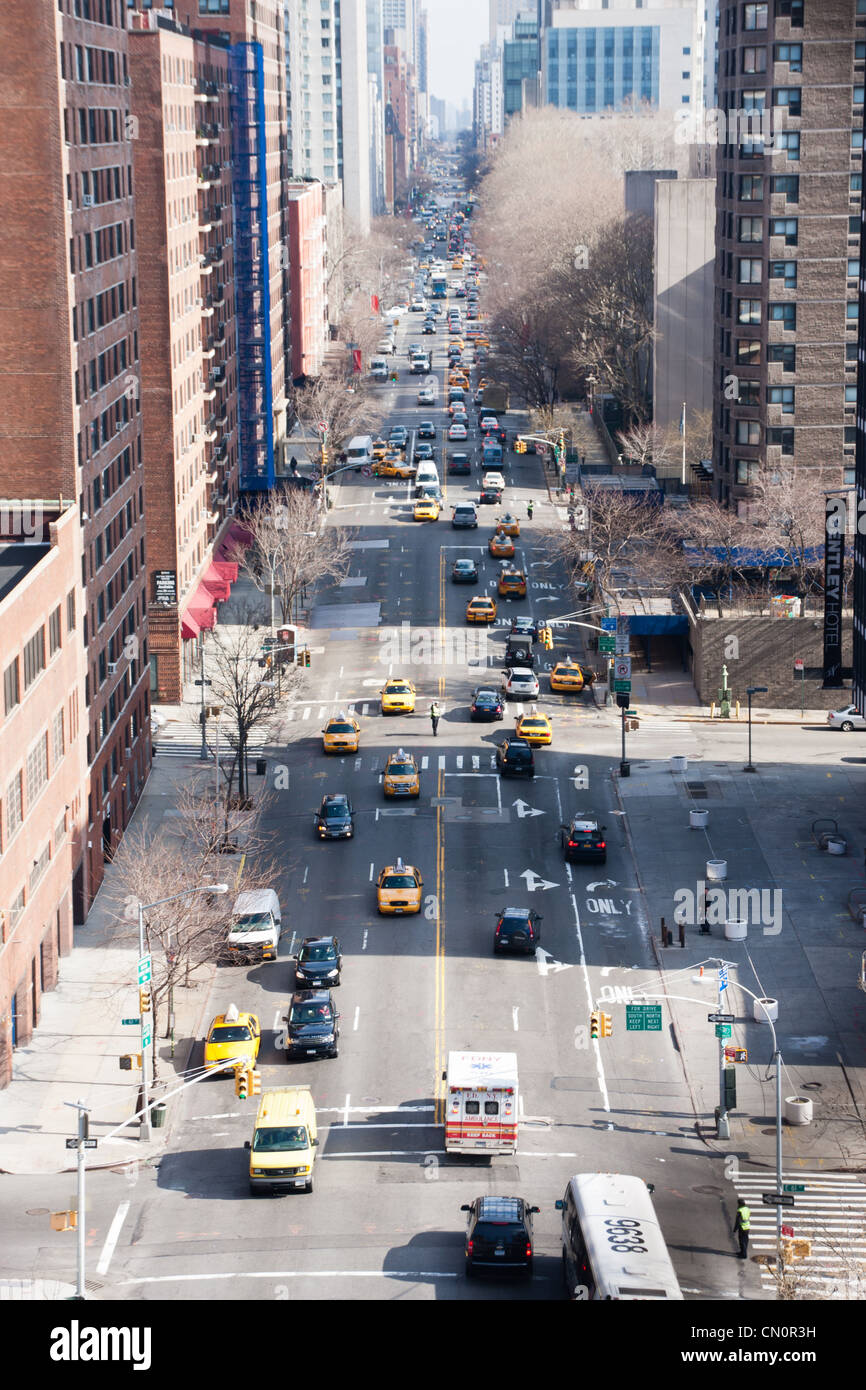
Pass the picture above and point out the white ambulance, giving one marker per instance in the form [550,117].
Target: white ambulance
[481,1102]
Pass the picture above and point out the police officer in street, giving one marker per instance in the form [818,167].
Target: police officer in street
[742,1223]
[435,716]
[529,508]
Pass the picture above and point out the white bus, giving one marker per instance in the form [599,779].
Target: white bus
[612,1244]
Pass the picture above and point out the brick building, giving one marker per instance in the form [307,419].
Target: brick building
[70,423]
[307,233]
[787,238]
[43,727]
[397,124]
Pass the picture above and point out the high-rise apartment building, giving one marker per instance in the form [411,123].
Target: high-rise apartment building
[402,16]
[69,366]
[376,71]
[353,111]
[307,233]
[856,531]
[520,60]
[397,123]
[504,13]
[488,114]
[787,239]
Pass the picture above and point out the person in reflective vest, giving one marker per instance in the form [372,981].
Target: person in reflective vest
[742,1223]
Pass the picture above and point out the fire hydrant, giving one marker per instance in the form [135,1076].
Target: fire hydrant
[724,696]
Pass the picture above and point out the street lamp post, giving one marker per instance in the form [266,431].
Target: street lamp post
[204,755]
[145,1130]
[750,691]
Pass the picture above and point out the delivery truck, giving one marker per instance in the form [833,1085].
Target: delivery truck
[481,1102]
[494,400]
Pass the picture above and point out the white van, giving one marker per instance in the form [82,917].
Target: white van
[256,925]
[378,368]
[360,450]
[427,473]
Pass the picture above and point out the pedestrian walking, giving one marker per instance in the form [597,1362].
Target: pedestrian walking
[435,716]
[293,464]
[529,508]
[742,1222]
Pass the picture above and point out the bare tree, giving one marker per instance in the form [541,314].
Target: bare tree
[248,696]
[646,444]
[624,532]
[719,542]
[289,550]
[788,514]
[344,411]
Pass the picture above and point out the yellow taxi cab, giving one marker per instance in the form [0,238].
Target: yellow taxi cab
[380,448]
[401,776]
[512,583]
[501,547]
[509,524]
[457,263]
[481,609]
[398,696]
[231,1036]
[534,728]
[426,509]
[458,378]
[342,734]
[398,889]
[393,465]
[567,676]
[482,341]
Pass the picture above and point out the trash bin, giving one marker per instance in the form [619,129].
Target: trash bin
[698,819]
[679,763]
[717,870]
[261,767]
[158,1113]
[625,769]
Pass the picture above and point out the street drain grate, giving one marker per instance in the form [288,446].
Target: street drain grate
[697,790]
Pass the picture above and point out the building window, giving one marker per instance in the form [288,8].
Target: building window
[852,312]
[788,184]
[748,432]
[787,227]
[34,658]
[213,6]
[14,806]
[784,313]
[850,395]
[748,392]
[785,353]
[750,229]
[781,438]
[11,691]
[783,396]
[853,268]
[746,471]
[790,53]
[36,769]
[748,311]
[790,97]
[54,631]
[749,352]
[784,270]
[751,188]
[58,746]
[754,17]
[749,270]
[40,864]
[788,140]
[858,96]
[754,60]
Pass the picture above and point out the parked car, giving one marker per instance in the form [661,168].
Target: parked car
[846,719]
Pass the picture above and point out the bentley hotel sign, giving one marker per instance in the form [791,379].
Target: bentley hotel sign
[834,559]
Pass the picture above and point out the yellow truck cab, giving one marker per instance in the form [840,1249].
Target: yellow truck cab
[284,1142]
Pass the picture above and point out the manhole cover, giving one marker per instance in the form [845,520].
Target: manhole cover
[37,1211]
[709,1191]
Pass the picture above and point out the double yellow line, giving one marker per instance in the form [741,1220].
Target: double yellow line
[439,964]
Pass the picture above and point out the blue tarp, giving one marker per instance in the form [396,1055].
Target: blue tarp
[657,624]
[748,557]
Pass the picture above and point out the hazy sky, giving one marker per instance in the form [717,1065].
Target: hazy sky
[457,30]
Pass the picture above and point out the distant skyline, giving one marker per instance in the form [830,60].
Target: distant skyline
[458,28]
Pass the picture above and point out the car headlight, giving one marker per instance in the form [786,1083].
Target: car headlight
[331,974]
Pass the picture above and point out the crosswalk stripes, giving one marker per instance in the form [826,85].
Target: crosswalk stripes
[191,748]
[830,1214]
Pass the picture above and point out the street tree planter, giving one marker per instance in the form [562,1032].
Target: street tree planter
[679,762]
[717,870]
[765,1010]
[698,819]
[736,929]
[797,1110]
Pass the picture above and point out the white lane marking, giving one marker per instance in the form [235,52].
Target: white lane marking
[341,673]
[306,871]
[377,813]
[375,682]
[514,1013]
[602,1083]
[365,709]
[459,760]
[323,710]
[520,1105]
[278,1018]
[424,764]
[568,871]
[111,1238]
[505,871]
[441,763]
[346,1109]
[519,709]
[356,1019]
[476,761]
[499,795]
[370,879]
[357,764]
[558,802]
[405,1276]
[364,940]
[307,712]
[292,943]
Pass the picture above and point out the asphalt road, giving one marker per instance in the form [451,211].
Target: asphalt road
[384,1221]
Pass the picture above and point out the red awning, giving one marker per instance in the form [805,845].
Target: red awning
[189,628]
[228,569]
[215,583]
[237,536]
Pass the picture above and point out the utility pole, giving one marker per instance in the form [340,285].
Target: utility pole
[81,1143]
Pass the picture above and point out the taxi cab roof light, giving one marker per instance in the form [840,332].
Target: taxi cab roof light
[231,1014]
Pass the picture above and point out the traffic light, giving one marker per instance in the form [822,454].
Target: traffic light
[594,1023]
[306,656]
[606,1025]
[299,659]
[255,1082]
[242,1083]
[520,446]
[546,635]
[324,459]
[145,999]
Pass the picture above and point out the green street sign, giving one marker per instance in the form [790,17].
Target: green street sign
[145,970]
[643,1018]
[130,1022]
[723,1030]
[607,645]
[793,1187]
[146,1035]
[622,687]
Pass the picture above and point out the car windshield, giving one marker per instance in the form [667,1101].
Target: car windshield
[515,921]
[251,921]
[398,688]
[322,950]
[310,1013]
[398,881]
[280,1140]
[340,729]
[337,810]
[401,770]
[485,695]
[231,1033]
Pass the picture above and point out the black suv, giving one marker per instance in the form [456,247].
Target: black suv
[313,1025]
[335,819]
[518,650]
[514,758]
[583,840]
[318,964]
[499,1234]
[517,929]
[486,704]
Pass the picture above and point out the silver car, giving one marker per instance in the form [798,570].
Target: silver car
[847,719]
[519,683]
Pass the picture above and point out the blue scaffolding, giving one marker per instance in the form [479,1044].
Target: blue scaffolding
[252,288]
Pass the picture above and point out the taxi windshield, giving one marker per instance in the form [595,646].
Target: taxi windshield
[280,1140]
[322,951]
[398,688]
[237,1032]
[401,770]
[399,881]
[340,729]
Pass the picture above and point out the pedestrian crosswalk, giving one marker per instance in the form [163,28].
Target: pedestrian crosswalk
[825,1232]
[191,748]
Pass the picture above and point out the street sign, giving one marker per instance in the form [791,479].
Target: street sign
[720,1018]
[723,977]
[622,644]
[640,1018]
[622,687]
[88,1143]
[798,664]
[736,1054]
[130,1022]
[793,1187]
[723,1030]
[622,668]
[367,472]
[777,1199]
[606,645]
[145,970]
[146,1035]
[608,624]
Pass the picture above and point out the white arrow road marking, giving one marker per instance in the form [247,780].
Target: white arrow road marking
[601,883]
[524,810]
[476,762]
[547,964]
[505,871]
[424,764]
[534,880]
[514,1013]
